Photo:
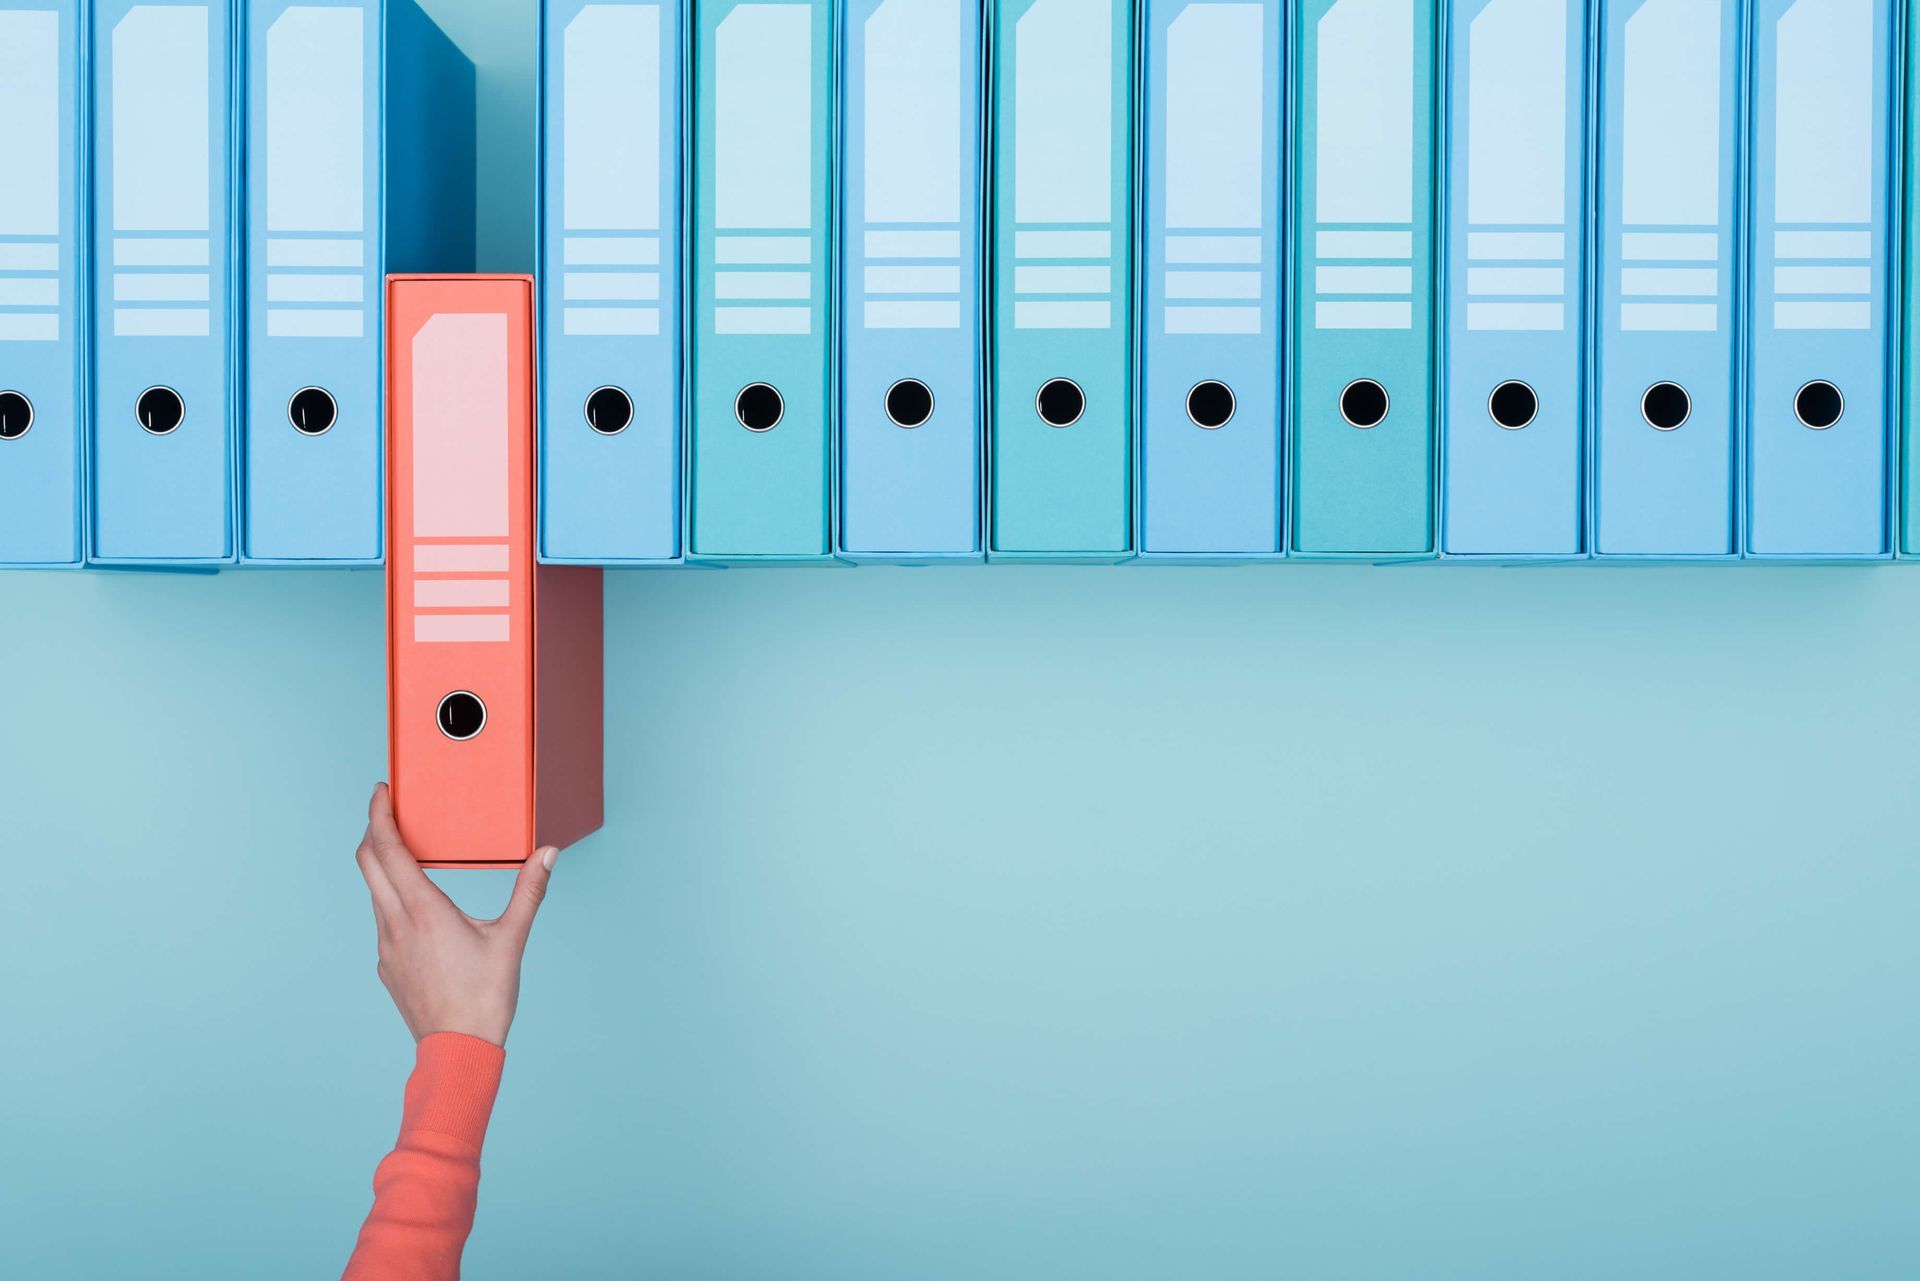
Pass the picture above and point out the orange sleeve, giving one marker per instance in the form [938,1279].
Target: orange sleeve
[423,1192]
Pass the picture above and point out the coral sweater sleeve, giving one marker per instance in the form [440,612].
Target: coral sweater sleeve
[423,1192]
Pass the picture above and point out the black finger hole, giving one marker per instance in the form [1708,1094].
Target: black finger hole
[160,410]
[1819,404]
[609,411]
[1666,406]
[1513,405]
[1363,403]
[312,411]
[461,715]
[1060,402]
[759,407]
[909,403]
[16,415]
[1210,404]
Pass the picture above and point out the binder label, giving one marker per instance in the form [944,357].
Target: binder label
[30,157]
[316,166]
[1363,172]
[1214,173]
[911,188]
[763,178]
[1062,166]
[610,202]
[161,168]
[461,488]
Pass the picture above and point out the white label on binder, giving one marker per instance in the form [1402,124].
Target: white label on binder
[1062,143]
[610,167]
[162,153]
[1670,164]
[30,157]
[316,163]
[1516,161]
[763,157]
[1363,145]
[1823,161]
[912,163]
[1214,181]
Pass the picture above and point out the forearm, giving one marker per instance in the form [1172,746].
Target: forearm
[424,1190]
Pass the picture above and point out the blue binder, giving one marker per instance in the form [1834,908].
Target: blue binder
[763,132]
[1513,398]
[1361,424]
[1061,436]
[43,336]
[359,158]
[163,267]
[610,279]
[1819,402]
[1663,452]
[910,342]
[1210,407]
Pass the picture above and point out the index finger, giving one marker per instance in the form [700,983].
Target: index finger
[404,873]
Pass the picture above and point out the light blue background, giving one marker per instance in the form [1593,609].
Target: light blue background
[1018,922]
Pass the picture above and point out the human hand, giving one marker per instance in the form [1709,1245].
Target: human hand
[446,971]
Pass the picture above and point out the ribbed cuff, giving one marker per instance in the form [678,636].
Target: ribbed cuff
[451,1091]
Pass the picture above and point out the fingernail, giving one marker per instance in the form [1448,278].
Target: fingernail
[547,856]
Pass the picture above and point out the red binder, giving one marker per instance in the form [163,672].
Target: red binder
[493,662]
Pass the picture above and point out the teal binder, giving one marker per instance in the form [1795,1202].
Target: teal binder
[1362,361]
[1061,446]
[762,337]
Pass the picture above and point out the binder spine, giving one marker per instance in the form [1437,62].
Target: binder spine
[1210,397]
[165,262]
[910,353]
[1061,451]
[43,257]
[611,130]
[1363,475]
[1511,393]
[760,448]
[1669,262]
[1818,346]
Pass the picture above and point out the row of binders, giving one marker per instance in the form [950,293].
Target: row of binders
[922,279]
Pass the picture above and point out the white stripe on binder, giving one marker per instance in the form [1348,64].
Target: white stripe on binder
[159,287]
[461,627]
[460,593]
[1823,280]
[460,558]
[1062,280]
[283,251]
[161,322]
[1669,317]
[1517,246]
[1229,284]
[635,322]
[1062,315]
[1363,315]
[1670,246]
[1213,320]
[611,251]
[611,286]
[29,256]
[1823,244]
[763,320]
[914,244]
[910,314]
[1213,250]
[1362,244]
[145,251]
[1823,315]
[314,322]
[288,287]
[1062,244]
[795,285]
[1522,282]
[31,291]
[926,278]
[29,326]
[1536,316]
[763,250]
[1363,280]
[1670,282]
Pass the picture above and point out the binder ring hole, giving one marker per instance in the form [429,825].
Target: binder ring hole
[16,415]
[312,411]
[1513,405]
[1364,403]
[160,410]
[1060,402]
[1666,406]
[909,403]
[1819,405]
[461,715]
[1210,404]
[759,407]
[609,410]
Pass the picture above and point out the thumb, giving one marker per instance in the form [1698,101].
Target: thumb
[529,891]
